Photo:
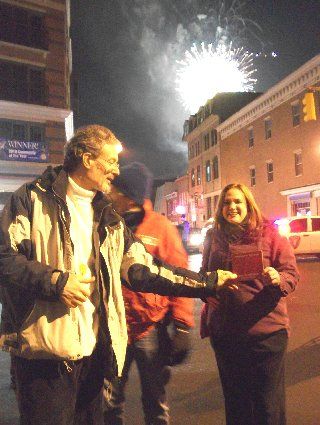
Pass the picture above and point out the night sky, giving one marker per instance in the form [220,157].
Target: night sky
[125,52]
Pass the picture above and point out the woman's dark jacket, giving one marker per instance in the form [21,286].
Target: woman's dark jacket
[256,308]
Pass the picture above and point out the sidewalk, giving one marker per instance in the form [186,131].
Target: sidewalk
[9,410]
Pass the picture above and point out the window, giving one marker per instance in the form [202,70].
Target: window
[215,202]
[250,137]
[299,225]
[21,131]
[295,109]
[208,171]
[199,147]
[209,208]
[270,171]
[252,171]
[301,207]
[215,166]
[22,83]
[21,26]
[315,224]
[206,141]
[198,174]
[214,137]
[185,126]
[298,163]
[267,128]
[193,179]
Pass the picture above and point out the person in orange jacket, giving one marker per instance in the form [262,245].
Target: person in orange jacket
[148,314]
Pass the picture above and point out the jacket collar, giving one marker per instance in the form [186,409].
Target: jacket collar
[55,179]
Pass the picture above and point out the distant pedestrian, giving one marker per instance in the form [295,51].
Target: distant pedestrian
[148,315]
[248,327]
[185,230]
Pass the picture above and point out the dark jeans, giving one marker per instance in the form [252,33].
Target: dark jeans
[54,393]
[145,352]
[252,378]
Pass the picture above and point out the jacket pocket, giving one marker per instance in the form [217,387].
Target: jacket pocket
[50,332]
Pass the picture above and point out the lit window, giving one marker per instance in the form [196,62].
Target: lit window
[198,175]
[193,179]
[298,163]
[267,128]
[270,171]
[208,171]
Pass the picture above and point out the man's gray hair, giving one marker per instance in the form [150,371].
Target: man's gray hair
[90,139]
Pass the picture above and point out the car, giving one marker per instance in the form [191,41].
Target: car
[208,225]
[303,233]
[195,239]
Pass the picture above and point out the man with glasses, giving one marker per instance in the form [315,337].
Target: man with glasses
[63,254]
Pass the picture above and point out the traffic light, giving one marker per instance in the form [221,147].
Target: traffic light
[309,108]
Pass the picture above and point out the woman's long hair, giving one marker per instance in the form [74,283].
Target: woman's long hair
[254,219]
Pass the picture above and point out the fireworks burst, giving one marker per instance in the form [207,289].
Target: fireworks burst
[210,70]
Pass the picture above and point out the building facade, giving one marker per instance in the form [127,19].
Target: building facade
[35,68]
[268,146]
[205,166]
[262,142]
[172,199]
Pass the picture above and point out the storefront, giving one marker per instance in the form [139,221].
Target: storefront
[303,200]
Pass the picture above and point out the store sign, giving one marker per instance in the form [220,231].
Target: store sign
[17,150]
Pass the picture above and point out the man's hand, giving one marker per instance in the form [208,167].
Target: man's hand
[76,290]
[180,346]
[225,278]
[271,276]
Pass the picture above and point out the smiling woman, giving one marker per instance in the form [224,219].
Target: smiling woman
[248,326]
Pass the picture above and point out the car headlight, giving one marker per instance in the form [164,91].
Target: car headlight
[196,239]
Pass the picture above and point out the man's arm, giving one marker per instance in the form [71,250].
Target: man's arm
[180,308]
[144,273]
[16,265]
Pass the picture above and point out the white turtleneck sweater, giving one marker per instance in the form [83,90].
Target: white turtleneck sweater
[79,202]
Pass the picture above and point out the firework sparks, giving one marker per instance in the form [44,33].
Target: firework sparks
[210,70]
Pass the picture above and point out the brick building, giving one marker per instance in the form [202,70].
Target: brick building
[35,67]
[268,146]
[204,152]
[263,143]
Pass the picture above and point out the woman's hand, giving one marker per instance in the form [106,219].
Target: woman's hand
[271,276]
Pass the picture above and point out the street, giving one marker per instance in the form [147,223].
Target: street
[195,392]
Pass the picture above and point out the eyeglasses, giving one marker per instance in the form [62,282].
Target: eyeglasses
[110,164]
